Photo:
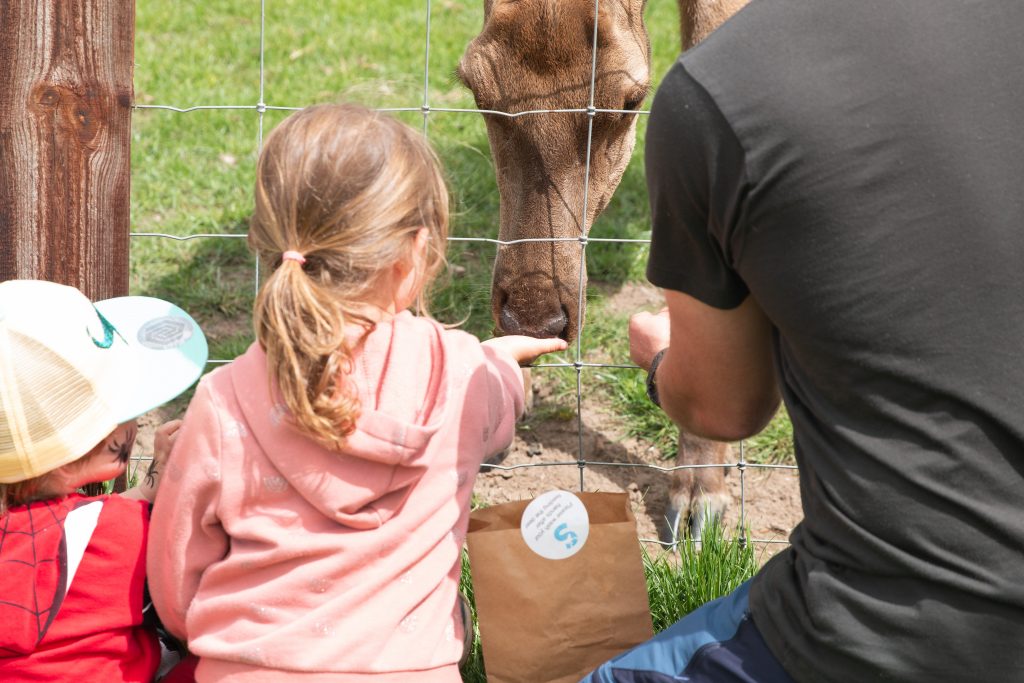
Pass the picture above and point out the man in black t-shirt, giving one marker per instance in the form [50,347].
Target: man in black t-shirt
[837,189]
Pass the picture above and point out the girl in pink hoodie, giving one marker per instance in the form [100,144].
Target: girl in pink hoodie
[316,504]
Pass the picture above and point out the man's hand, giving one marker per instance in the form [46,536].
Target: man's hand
[526,349]
[648,334]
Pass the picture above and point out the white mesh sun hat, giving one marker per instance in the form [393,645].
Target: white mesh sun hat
[70,372]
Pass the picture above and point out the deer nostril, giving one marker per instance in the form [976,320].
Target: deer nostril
[564,334]
[556,326]
[508,322]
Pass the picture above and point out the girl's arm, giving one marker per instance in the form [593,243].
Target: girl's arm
[185,533]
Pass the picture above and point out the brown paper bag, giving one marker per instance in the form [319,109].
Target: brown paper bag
[554,621]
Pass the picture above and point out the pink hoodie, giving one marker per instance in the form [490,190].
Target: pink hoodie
[278,559]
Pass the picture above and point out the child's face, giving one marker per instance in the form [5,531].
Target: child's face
[106,461]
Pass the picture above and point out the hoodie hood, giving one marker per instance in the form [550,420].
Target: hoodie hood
[402,387]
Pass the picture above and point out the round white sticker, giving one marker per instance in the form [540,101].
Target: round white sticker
[555,525]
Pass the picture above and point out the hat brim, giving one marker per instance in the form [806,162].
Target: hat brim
[167,352]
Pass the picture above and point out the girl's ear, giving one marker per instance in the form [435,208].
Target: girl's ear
[419,247]
[416,254]
[408,272]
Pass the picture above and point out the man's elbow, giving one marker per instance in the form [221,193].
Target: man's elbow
[733,421]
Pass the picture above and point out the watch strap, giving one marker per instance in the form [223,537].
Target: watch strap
[652,383]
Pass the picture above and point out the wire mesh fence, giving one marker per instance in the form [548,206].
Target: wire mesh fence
[427,111]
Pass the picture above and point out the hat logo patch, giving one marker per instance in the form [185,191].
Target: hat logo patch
[167,332]
[108,332]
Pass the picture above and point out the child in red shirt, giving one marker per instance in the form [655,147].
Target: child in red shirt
[73,378]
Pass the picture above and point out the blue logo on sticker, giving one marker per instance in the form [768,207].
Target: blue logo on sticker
[561,534]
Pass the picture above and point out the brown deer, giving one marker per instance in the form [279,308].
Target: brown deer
[538,55]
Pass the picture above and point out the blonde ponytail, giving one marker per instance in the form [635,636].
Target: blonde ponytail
[302,331]
[341,192]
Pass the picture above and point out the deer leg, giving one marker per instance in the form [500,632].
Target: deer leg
[679,493]
[528,391]
[700,491]
[710,498]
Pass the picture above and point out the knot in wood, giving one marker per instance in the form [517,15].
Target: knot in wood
[49,97]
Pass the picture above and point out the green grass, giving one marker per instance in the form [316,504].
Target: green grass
[473,669]
[699,573]
[677,583]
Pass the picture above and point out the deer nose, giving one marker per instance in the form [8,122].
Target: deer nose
[553,325]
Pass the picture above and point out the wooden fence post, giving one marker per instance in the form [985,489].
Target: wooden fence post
[66,94]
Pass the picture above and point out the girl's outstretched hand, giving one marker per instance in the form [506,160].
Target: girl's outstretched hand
[526,349]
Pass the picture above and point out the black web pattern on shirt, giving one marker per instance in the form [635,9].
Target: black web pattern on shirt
[41,517]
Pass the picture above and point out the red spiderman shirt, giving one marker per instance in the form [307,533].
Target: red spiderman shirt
[71,591]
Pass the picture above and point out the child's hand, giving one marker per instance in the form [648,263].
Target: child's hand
[166,435]
[163,440]
[526,349]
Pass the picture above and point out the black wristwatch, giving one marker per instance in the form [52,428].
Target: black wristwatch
[652,382]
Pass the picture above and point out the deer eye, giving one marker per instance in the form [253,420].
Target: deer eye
[634,100]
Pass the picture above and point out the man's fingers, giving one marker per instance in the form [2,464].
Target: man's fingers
[648,334]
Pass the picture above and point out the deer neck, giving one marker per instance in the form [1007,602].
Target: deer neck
[698,18]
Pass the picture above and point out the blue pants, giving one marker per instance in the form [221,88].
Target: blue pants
[716,643]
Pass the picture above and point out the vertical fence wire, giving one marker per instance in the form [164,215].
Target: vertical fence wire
[583,240]
[261,109]
[581,292]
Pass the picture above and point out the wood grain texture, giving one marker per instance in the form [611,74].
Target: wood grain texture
[66,94]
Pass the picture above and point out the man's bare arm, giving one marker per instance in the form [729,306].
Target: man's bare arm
[716,380]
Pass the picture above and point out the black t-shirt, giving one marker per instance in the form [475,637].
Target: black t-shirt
[857,166]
